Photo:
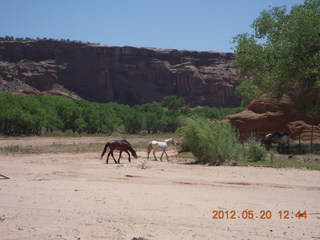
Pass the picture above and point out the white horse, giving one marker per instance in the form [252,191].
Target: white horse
[160,146]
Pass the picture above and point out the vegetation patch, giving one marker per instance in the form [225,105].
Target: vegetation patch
[49,115]
[216,143]
[210,141]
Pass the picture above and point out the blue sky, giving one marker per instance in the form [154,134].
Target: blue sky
[201,25]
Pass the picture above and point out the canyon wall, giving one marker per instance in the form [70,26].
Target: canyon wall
[126,75]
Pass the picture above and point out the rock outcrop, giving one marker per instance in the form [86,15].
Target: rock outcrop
[266,115]
[122,74]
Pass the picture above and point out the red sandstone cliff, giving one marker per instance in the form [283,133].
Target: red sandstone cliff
[266,115]
[123,74]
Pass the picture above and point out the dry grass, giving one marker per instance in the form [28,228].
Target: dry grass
[54,148]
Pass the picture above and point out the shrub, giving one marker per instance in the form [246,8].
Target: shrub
[143,133]
[254,152]
[210,141]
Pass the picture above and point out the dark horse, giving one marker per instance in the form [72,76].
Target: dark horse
[281,138]
[122,146]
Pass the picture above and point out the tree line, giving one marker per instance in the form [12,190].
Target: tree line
[35,115]
[21,39]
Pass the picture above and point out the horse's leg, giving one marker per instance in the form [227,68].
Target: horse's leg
[108,157]
[154,154]
[162,154]
[113,157]
[119,156]
[286,149]
[128,155]
[149,149]
[166,155]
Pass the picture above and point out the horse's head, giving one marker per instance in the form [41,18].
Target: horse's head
[134,154]
[171,141]
[268,137]
[174,142]
[273,137]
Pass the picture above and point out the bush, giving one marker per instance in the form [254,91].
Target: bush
[143,133]
[254,152]
[210,142]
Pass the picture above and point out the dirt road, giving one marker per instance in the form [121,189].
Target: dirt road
[77,196]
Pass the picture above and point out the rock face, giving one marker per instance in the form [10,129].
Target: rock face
[122,74]
[266,115]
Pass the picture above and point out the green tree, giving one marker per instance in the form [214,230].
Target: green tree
[20,115]
[282,56]
[151,114]
[70,114]
[108,119]
[152,123]
[52,120]
[169,122]
[173,103]
[133,123]
[90,116]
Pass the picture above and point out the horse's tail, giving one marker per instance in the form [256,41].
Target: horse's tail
[133,152]
[105,149]
[149,147]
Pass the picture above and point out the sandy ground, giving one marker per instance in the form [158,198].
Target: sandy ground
[78,196]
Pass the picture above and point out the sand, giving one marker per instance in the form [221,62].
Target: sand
[78,196]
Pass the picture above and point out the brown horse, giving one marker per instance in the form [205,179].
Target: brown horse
[122,146]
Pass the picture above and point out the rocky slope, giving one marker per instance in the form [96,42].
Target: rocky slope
[123,74]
